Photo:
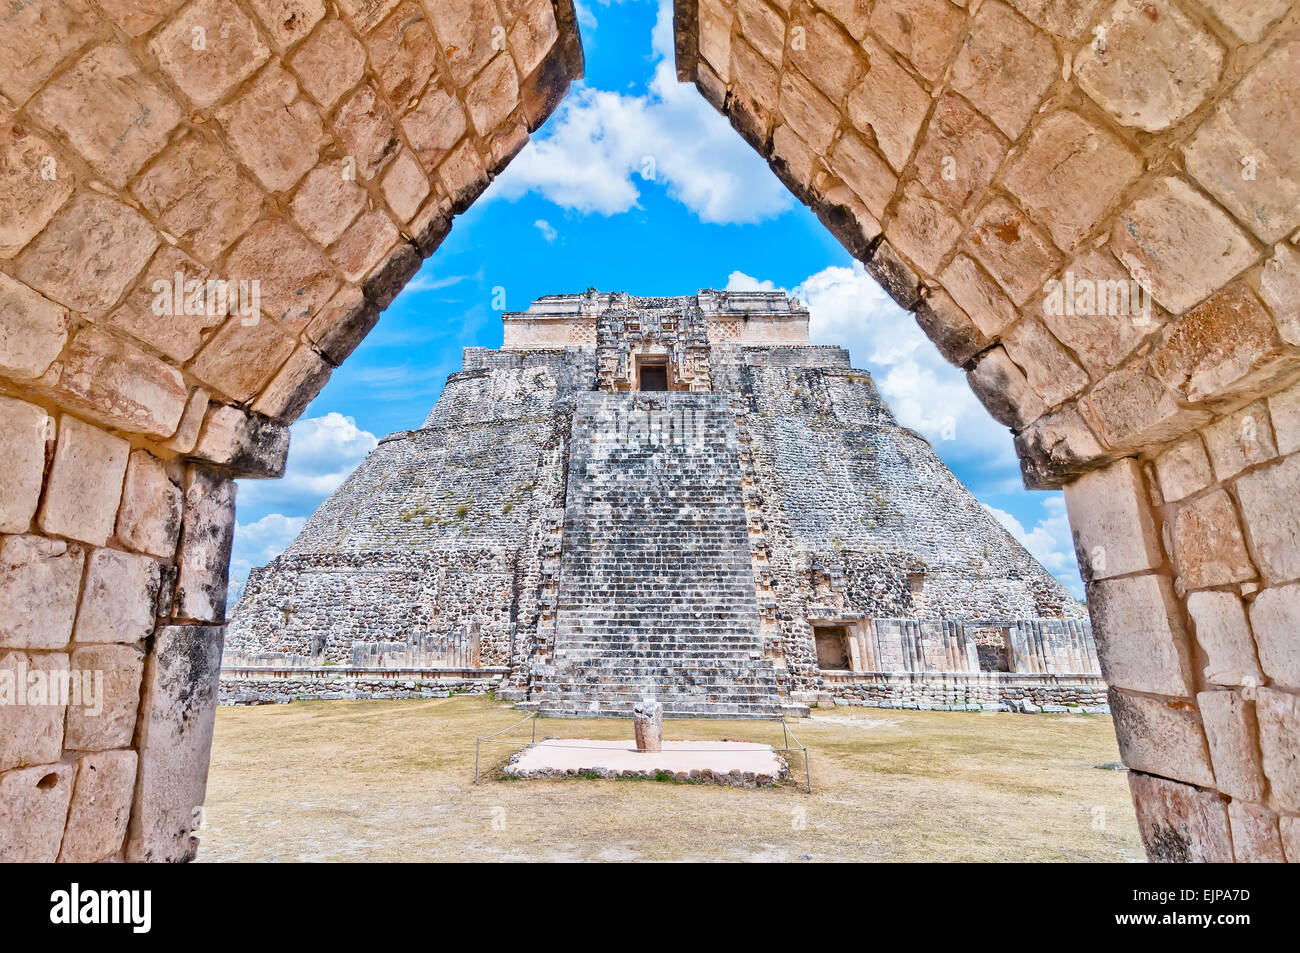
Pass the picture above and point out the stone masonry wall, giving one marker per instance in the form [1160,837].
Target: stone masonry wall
[317,148]
[1094,209]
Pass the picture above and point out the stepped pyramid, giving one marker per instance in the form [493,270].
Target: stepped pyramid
[674,497]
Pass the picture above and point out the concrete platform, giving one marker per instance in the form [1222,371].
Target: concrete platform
[735,763]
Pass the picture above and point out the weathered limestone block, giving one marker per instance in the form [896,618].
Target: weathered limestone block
[243,355]
[1208,545]
[868,175]
[365,126]
[229,50]
[924,31]
[38,591]
[288,21]
[1066,18]
[1249,19]
[180,700]
[25,430]
[342,324]
[131,118]
[648,725]
[1183,469]
[1179,823]
[922,228]
[1003,390]
[199,195]
[245,444]
[1114,529]
[1240,440]
[1279,286]
[803,107]
[1270,503]
[330,63]
[1222,632]
[753,97]
[327,201]
[1130,409]
[1255,837]
[1231,729]
[187,434]
[111,723]
[294,386]
[149,519]
[466,30]
[1140,642]
[891,104]
[405,185]
[100,808]
[463,176]
[763,28]
[365,244]
[1015,252]
[1179,244]
[33,809]
[1048,367]
[113,382]
[1242,153]
[792,160]
[36,37]
[206,538]
[1275,619]
[273,129]
[1154,66]
[1056,448]
[1290,830]
[715,36]
[493,94]
[960,153]
[119,599]
[31,730]
[435,124]
[89,253]
[85,483]
[296,279]
[1161,736]
[174,320]
[1279,727]
[30,197]
[828,57]
[950,328]
[364,14]
[978,295]
[533,35]
[1004,67]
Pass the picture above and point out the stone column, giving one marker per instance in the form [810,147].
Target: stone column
[648,723]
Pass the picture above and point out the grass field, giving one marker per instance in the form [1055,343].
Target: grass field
[392,780]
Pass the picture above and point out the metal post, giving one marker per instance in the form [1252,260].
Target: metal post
[477,744]
[784,732]
[807,773]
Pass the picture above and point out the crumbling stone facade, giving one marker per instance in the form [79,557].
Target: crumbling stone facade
[608,534]
[205,207]
[1094,209]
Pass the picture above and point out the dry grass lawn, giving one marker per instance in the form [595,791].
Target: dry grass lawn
[392,781]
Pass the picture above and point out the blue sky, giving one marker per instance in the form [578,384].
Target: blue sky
[636,184]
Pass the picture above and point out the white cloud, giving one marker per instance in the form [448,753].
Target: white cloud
[322,452]
[548,231]
[602,147]
[1050,541]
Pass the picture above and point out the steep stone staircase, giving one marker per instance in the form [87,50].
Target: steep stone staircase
[656,595]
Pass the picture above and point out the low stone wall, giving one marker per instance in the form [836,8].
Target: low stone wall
[985,691]
[268,685]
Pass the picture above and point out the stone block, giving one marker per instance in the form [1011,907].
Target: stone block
[327,201]
[1066,18]
[1255,837]
[891,104]
[1249,19]
[36,37]
[180,699]
[137,17]
[30,197]
[1004,391]
[191,421]
[100,808]
[1048,366]
[1015,252]
[167,312]
[1179,823]
[330,63]
[792,161]
[130,121]
[1179,244]
[1242,153]
[763,28]
[493,94]
[405,186]
[206,537]
[434,125]
[119,599]
[1279,286]
[1279,726]
[342,324]
[828,57]
[390,276]
[1140,641]
[31,726]
[978,295]
[25,430]
[925,32]
[950,328]
[273,130]
[247,445]
[364,14]
[38,591]
[1270,503]
[33,810]
[368,241]
[88,275]
[1223,346]
[895,277]
[753,96]
[1240,440]
[804,108]
[85,483]
[199,195]
[115,383]
[533,35]
[959,154]
[1183,469]
[295,277]
[715,18]
[294,386]
[1208,545]
[288,21]
[467,32]
[1161,735]
[1056,448]
[868,175]
[365,126]
[209,51]
[1070,174]
[1114,529]
[1290,830]
[1130,410]
[1154,68]
[242,356]
[149,518]
[1222,632]
[1231,729]
[1275,619]
[110,721]
[922,228]
[1004,67]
